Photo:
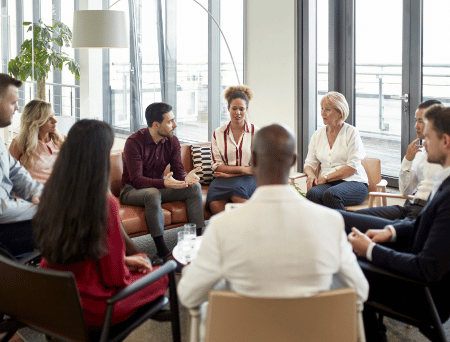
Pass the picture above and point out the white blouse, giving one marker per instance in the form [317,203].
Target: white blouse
[347,150]
[226,151]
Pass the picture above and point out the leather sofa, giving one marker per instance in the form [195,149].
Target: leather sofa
[133,218]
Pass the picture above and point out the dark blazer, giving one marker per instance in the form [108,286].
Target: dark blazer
[427,239]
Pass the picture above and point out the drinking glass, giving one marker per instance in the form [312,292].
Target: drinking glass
[191,228]
[182,243]
[191,233]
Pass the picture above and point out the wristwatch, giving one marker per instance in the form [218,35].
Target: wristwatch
[326,179]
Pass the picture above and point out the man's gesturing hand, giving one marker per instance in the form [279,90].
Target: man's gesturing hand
[172,183]
[192,178]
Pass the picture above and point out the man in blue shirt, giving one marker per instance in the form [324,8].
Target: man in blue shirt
[19,193]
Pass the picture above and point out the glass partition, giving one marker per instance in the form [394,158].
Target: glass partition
[378,59]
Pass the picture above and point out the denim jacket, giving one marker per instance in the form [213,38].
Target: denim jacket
[17,189]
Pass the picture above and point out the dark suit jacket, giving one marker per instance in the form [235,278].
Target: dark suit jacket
[427,238]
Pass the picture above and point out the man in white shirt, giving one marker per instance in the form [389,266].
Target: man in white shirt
[19,193]
[277,244]
[420,247]
[416,177]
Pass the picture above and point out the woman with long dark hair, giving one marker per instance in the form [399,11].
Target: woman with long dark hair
[77,226]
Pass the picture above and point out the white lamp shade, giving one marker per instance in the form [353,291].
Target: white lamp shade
[100,29]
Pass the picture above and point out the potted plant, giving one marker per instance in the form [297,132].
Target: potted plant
[48,41]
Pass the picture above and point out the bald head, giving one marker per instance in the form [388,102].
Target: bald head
[273,154]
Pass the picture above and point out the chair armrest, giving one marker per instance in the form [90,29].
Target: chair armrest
[390,195]
[382,184]
[32,256]
[369,267]
[143,282]
[293,177]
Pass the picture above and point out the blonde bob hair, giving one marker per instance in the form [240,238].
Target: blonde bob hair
[338,102]
[35,114]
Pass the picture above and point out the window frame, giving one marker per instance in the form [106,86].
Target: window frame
[341,67]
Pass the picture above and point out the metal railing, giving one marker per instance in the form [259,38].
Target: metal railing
[65,98]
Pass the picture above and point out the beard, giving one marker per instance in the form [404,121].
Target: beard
[166,134]
[436,160]
[5,123]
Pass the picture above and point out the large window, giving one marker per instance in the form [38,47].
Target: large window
[378,116]
[322,54]
[436,53]
[182,60]
[386,57]
[61,90]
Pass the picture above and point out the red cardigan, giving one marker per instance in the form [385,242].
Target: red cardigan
[99,279]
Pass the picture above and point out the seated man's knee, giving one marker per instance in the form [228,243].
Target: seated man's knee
[195,188]
[152,196]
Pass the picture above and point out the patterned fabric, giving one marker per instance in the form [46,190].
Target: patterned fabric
[201,156]
[226,151]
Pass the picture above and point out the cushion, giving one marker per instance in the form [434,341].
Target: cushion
[201,156]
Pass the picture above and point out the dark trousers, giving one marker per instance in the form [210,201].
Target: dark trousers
[339,194]
[379,217]
[151,199]
[392,212]
[17,237]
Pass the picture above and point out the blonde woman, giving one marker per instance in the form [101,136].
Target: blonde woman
[338,149]
[38,143]
[231,152]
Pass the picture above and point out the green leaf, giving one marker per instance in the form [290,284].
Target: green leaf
[48,52]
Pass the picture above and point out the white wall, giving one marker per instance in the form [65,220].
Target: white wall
[271,61]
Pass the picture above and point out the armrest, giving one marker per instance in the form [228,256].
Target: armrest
[143,282]
[293,177]
[390,195]
[34,255]
[369,267]
[382,184]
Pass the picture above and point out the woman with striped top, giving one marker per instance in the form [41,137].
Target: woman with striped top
[231,152]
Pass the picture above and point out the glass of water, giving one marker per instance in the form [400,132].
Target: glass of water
[190,230]
[182,243]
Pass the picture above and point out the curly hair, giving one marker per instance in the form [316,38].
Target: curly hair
[238,92]
[34,115]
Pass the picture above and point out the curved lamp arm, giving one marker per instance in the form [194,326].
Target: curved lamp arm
[221,32]
[228,47]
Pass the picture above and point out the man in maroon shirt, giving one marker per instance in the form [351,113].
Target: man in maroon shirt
[147,153]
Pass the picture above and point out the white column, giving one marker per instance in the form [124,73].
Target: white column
[91,82]
[271,61]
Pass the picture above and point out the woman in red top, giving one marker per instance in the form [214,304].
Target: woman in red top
[77,227]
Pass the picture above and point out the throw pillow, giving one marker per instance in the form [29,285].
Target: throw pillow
[201,156]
